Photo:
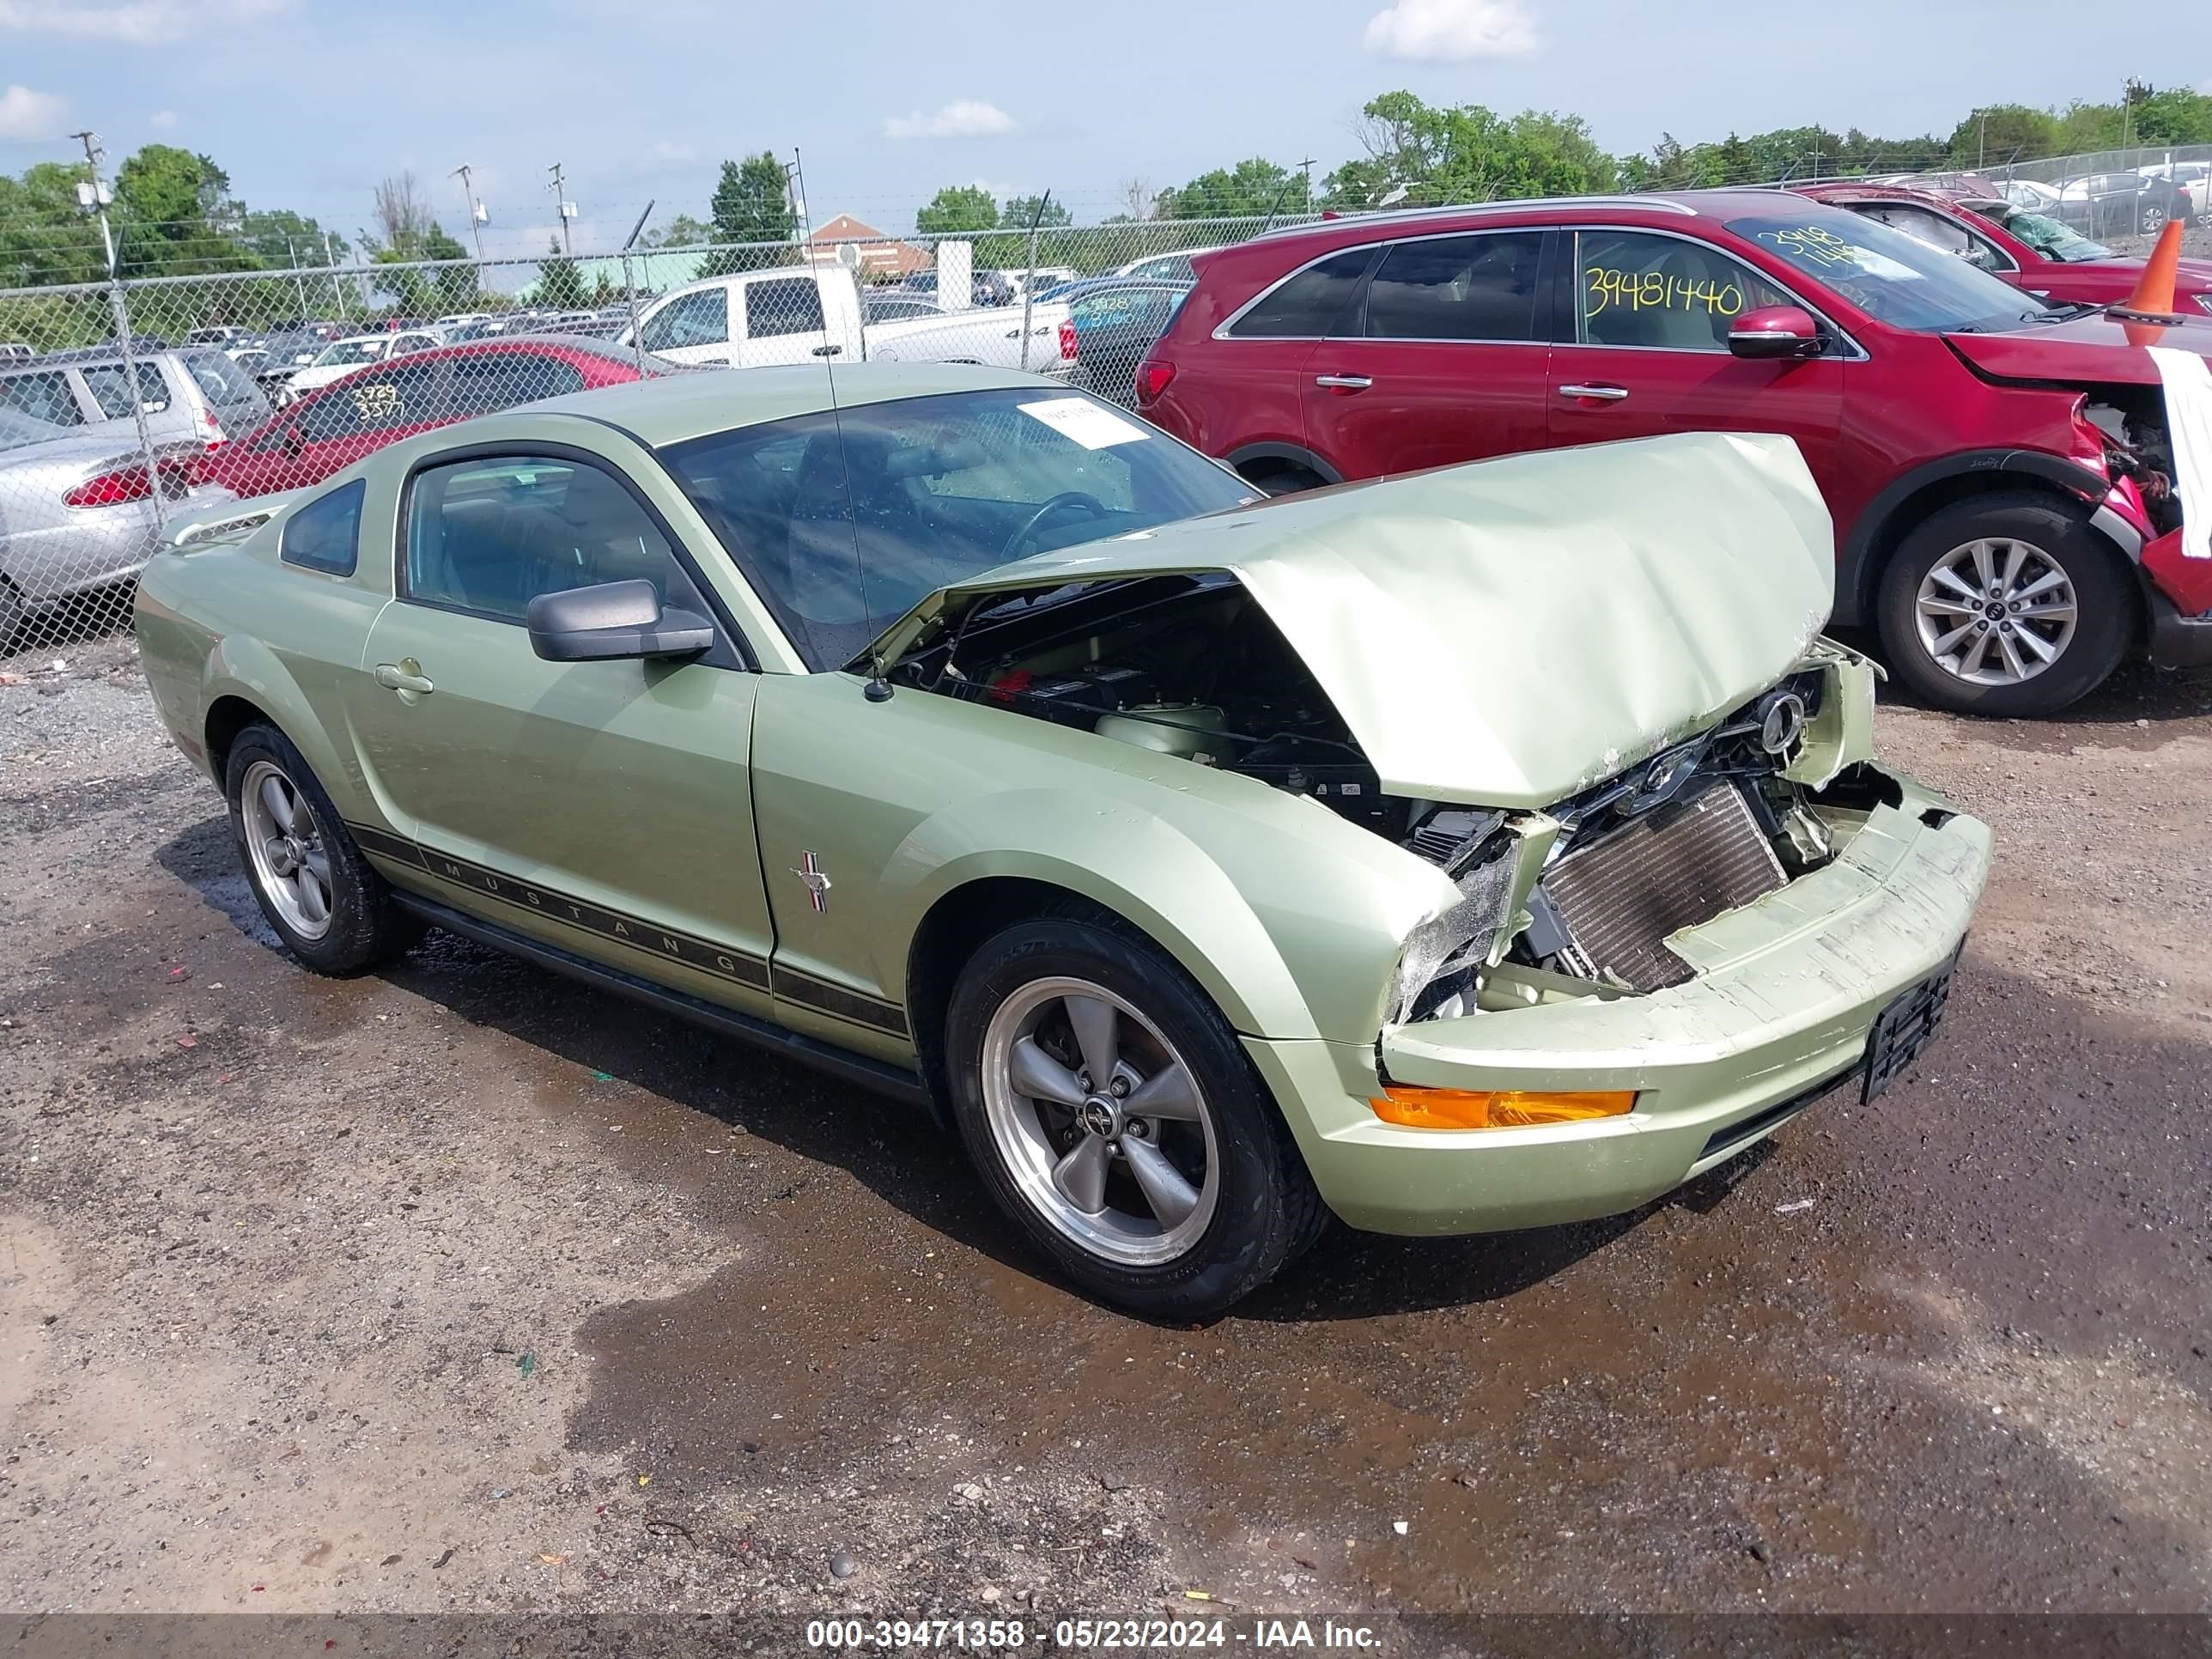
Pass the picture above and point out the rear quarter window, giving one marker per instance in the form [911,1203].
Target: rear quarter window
[1311,305]
[325,534]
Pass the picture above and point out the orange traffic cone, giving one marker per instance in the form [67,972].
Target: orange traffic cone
[2149,310]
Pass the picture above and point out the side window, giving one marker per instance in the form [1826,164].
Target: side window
[407,394]
[219,378]
[1638,289]
[689,320]
[788,304]
[1315,303]
[1457,288]
[491,380]
[45,396]
[325,534]
[336,414]
[105,382]
[491,535]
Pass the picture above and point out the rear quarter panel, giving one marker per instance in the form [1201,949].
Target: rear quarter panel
[230,620]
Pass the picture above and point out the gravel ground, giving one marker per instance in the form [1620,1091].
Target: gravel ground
[463,1287]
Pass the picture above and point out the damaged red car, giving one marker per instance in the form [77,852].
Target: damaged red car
[2032,251]
[2000,471]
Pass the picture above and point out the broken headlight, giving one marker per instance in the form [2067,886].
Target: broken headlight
[1442,955]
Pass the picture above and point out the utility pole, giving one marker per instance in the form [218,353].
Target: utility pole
[795,187]
[567,210]
[1308,164]
[1981,140]
[476,214]
[95,197]
[299,283]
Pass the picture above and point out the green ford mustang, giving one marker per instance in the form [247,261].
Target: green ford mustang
[1488,847]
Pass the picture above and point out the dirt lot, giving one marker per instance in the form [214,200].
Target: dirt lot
[463,1287]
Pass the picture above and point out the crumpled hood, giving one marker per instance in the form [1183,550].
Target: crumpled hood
[1508,632]
[2086,349]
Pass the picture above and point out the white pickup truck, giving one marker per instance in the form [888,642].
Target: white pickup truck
[755,319]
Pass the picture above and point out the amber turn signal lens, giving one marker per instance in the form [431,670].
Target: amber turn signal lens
[1493,1109]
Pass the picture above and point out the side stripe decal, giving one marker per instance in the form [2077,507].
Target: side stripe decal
[739,968]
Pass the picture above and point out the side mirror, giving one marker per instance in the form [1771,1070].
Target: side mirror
[1772,331]
[611,621]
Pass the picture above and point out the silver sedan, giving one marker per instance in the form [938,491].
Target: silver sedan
[76,513]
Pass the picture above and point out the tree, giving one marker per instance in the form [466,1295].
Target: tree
[279,237]
[1136,200]
[403,216]
[559,283]
[1019,210]
[751,205]
[1467,153]
[682,231]
[44,237]
[1252,187]
[175,214]
[2003,133]
[957,210]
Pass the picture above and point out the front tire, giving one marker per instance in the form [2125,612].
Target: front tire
[315,888]
[1115,1118]
[2011,606]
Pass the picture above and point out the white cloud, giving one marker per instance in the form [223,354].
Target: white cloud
[668,152]
[163,118]
[1452,30]
[25,114]
[139,22]
[964,118]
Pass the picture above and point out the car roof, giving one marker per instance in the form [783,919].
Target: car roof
[1660,205]
[670,409]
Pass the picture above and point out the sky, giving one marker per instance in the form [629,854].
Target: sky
[307,103]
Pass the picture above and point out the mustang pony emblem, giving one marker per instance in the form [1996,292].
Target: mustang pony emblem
[817,880]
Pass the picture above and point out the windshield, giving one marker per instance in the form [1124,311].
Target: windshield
[1890,276]
[843,521]
[2047,236]
[351,351]
[16,430]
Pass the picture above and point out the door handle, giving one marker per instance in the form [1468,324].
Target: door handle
[1344,382]
[828,350]
[1611,394]
[403,677]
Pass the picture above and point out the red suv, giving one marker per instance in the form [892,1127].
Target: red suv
[2000,472]
[335,425]
[2030,250]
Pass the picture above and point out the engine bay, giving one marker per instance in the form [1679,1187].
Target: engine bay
[1583,893]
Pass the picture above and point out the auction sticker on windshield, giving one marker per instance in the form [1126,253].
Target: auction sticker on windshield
[1088,423]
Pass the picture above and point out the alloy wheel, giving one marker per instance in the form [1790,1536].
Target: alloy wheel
[1100,1122]
[1995,611]
[284,843]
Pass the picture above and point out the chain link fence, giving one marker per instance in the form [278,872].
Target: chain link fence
[123,404]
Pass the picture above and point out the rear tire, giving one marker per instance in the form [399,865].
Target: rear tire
[1174,1212]
[13,614]
[315,890]
[2008,605]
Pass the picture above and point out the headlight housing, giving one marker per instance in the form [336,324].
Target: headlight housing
[1456,938]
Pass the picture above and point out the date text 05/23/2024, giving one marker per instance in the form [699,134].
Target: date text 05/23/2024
[1169,1634]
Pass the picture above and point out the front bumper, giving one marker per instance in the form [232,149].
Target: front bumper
[2176,641]
[1787,991]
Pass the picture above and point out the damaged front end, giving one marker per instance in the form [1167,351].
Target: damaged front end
[1581,898]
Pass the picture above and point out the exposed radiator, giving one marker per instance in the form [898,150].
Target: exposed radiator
[1620,897]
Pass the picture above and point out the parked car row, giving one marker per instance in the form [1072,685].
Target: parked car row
[2001,470]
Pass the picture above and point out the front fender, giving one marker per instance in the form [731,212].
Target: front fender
[240,665]
[1149,872]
